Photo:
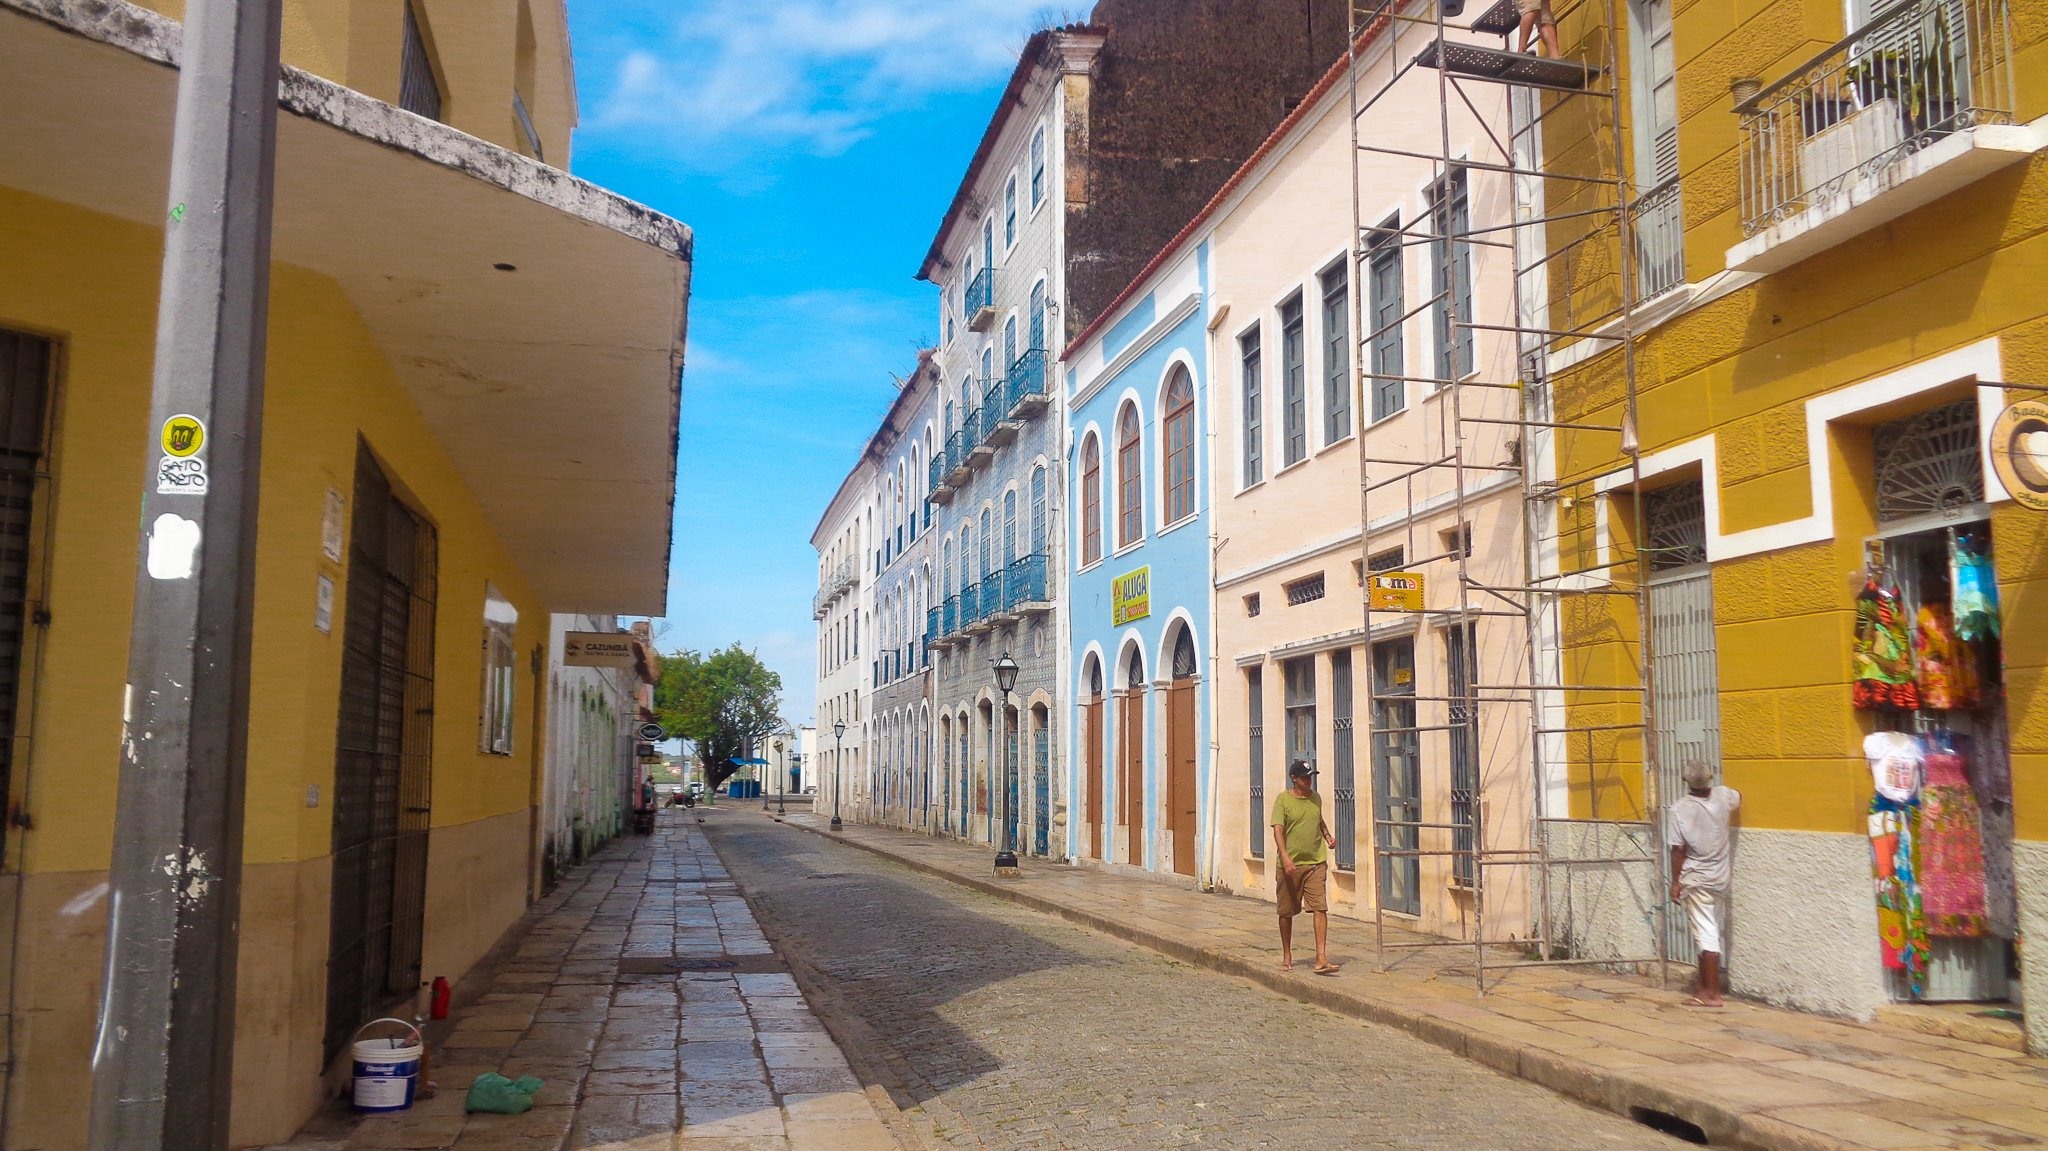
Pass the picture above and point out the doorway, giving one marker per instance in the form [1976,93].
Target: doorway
[1091,754]
[383,760]
[1180,754]
[1685,683]
[1397,775]
[1131,761]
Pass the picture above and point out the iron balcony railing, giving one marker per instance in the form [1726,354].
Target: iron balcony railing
[934,626]
[959,443]
[1024,582]
[979,293]
[939,469]
[971,609]
[843,577]
[1660,240]
[1919,71]
[992,595]
[1026,380]
[951,623]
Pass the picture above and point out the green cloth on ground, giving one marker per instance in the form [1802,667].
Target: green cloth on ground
[1301,826]
[494,1093]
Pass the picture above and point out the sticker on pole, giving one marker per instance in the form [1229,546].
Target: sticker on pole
[183,437]
[176,477]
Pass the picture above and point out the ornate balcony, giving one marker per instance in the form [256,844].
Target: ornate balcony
[1025,589]
[978,302]
[957,447]
[1004,425]
[993,610]
[1916,104]
[941,491]
[1024,393]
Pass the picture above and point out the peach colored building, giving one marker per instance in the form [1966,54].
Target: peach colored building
[1297,419]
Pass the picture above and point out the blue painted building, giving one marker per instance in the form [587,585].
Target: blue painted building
[1137,387]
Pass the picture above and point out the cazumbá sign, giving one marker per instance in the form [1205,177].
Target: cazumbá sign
[1130,597]
[597,649]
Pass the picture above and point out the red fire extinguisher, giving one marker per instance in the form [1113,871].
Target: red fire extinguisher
[439,1008]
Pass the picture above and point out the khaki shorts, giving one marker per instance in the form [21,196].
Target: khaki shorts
[1708,911]
[1527,6]
[1306,890]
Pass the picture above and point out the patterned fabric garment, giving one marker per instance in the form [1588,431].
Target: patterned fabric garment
[1951,841]
[1901,929]
[1883,658]
[1946,667]
[1976,593]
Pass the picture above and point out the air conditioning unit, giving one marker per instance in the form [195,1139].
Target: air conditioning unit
[1834,157]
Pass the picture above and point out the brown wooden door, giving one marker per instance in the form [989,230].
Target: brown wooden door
[1091,752]
[1180,773]
[1132,782]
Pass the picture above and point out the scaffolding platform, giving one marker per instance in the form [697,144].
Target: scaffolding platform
[1507,67]
[1500,20]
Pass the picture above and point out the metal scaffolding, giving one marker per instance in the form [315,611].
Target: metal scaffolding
[1568,602]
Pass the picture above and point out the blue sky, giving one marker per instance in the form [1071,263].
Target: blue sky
[813,145]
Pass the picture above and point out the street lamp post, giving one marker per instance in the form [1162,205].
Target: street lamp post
[1006,680]
[776,745]
[781,782]
[838,755]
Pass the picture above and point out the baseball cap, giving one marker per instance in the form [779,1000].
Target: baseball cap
[1300,769]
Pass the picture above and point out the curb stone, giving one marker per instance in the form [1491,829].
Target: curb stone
[1607,1089]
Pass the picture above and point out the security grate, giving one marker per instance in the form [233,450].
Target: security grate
[1342,752]
[1675,522]
[1251,606]
[383,782]
[1255,702]
[1928,463]
[419,91]
[1184,655]
[1460,646]
[24,394]
[1303,591]
[1386,561]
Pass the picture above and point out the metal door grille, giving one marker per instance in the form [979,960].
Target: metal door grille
[1685,699]
[1255,704]
[1675,524]
[1342,751]
[1397,778]
[1460,646]
[383,760]
[1928,463]
[24,398]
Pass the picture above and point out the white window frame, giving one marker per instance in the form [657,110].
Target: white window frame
[497,720]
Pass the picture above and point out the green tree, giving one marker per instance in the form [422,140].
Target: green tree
[724,703]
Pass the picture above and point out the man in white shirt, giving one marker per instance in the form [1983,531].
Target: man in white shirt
[1702,868]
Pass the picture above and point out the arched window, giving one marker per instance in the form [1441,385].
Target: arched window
[966,556]
[1010,343]
[1091,500]
[1135,673]
[946,569]
[1184,654]
[1037,320]
[1010,213]
[1037,167]
[987,544]
[1180,447]
[1038,510]
[1094,678]
[1130,478]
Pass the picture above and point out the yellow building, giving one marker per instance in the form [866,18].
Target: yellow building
[1836,256]
[472,401]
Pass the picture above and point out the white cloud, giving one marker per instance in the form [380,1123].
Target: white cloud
[811,73]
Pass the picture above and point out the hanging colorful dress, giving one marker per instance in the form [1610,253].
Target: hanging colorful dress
[1945,667]
[1883,657]
[1975,590]
[1951,843]
[1895,763]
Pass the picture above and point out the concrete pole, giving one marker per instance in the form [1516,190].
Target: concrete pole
[163,1056]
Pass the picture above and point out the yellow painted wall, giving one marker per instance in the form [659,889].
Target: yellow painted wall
[89,282]
[1742,367]
[475,44]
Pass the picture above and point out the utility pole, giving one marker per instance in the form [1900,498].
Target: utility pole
[164,1054]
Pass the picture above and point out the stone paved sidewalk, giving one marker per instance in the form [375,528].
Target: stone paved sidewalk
[642,991]
[1748,1075]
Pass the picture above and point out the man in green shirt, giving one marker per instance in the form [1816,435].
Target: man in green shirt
[1301,837]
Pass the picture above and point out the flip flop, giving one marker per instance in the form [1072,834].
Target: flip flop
[1328,968]
[1696,1001]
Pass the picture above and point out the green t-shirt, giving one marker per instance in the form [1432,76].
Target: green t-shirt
[1301,825]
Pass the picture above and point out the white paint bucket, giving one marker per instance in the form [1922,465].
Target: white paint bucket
[387,1070]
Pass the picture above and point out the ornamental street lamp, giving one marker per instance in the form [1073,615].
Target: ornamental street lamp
[838,754]
[1006,680]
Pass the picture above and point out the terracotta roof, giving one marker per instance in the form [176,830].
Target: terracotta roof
[1302,111]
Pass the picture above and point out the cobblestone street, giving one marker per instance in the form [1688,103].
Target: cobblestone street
[997,1027]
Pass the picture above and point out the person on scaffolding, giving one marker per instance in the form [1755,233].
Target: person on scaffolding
[1538,20]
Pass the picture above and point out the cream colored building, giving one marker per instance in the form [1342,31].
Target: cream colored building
[1297,420]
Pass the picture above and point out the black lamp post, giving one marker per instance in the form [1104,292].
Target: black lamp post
[781,782]
[1006,681]
[776,746]
[838,754]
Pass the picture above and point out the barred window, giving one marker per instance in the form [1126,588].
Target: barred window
[1303,591]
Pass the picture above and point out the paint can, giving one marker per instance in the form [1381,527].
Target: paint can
[387,1070]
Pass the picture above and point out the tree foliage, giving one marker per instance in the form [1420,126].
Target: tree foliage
[724,702]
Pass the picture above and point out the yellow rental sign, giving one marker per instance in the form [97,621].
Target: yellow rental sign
[1130,597]
[1394,591]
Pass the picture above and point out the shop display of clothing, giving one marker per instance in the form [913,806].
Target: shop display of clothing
[1901,928]
[1951,850]
[1895,759]
[1944,666]
[1975,590]
[1883,658]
